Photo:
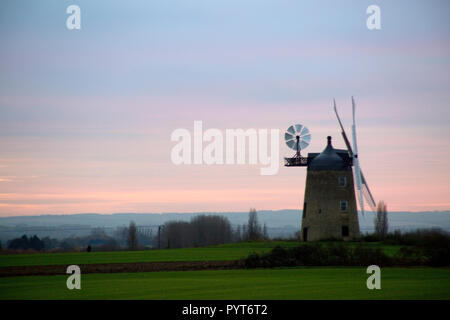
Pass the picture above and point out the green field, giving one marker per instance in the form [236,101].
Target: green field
[231,251]
[289,283]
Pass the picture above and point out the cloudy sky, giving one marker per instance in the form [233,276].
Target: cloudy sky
[86,115]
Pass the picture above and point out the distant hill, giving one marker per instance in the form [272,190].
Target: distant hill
[280,223]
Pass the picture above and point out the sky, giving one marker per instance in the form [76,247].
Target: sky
[86,115]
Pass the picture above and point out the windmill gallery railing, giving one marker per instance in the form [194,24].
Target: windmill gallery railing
[296,162]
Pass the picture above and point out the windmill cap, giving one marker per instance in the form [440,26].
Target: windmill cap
[328,159]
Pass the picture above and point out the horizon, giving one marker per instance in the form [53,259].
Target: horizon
[86,115]
[205,212]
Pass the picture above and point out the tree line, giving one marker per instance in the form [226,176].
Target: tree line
[201,230]
[207,230]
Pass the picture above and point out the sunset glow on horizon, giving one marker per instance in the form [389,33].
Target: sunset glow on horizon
[86,115]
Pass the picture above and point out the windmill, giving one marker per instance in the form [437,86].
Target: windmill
[361,183]
[329,206]
[297,137]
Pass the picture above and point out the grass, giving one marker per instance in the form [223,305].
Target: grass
[288,283]
[231,251]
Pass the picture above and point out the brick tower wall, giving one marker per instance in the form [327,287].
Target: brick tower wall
[323,215]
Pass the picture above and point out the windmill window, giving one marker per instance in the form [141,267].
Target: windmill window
[343,205]
[342,180]
[304,210]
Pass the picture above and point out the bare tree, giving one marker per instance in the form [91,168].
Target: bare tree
[381,220]
[244,236]
[264,233]
[253,227]
[202,230]
[132,241]
[237,234]
[210,230]
[176,234]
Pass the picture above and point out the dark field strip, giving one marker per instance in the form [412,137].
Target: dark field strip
[232,251]
[121,267]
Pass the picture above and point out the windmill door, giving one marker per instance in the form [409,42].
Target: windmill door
[305,234]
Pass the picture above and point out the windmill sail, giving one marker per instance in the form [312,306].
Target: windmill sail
[361,182]
[347,143]
[356,161]
[367,194]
